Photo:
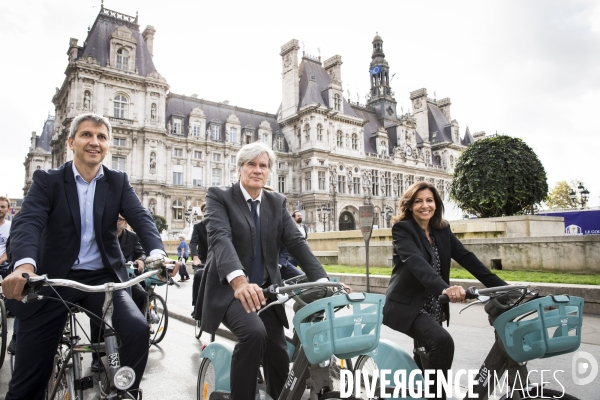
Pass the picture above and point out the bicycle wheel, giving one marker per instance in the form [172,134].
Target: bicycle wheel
[365,364]
[3,332]
[206,380]
[58,379]
[335,367]
[158,318]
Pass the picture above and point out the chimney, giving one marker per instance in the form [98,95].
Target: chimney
[148,36]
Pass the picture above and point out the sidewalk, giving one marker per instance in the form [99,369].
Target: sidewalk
[179,302]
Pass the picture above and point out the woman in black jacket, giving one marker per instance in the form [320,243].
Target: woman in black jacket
[423,246]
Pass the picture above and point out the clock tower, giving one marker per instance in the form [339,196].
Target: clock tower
[381,94]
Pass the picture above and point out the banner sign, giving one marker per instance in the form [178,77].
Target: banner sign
[584,222]
[365,214]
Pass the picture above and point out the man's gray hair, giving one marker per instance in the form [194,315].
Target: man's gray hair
[94,118]
[254,150]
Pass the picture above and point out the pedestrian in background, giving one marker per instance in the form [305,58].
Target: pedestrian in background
[182,254]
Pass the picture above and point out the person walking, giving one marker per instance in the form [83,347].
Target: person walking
[182,254]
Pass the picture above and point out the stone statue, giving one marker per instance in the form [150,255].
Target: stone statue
[86,101]
[153,112]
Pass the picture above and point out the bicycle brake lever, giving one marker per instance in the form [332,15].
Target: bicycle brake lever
[480,299]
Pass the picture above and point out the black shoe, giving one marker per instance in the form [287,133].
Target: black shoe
[97,365]
[12,345]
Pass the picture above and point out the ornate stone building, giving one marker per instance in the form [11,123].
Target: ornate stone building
[330,151]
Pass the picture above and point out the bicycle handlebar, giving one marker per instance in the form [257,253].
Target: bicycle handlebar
[474,293]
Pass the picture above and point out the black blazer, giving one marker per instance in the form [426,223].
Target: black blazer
[413,277]
[131,247]
[48,229]
[199,242]
[231,233]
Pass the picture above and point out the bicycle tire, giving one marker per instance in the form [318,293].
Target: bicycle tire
[12,364]
[206,380]
[551,394]
[158,317]
[3,332]
[335,367]
[59,379]
[365,363]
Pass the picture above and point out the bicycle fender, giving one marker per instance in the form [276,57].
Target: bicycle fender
[389,355]
[220,356]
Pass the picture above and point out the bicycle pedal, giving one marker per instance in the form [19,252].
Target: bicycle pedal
[87,382]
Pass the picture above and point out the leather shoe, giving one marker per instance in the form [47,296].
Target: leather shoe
[97,365]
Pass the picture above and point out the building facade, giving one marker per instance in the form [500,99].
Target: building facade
[333,155]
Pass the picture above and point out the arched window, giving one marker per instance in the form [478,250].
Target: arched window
[337,102]
[354,141]
[340,139]
[123,59]
[320,133]
[307,132]
[280,143]
[177,210]
[120,106]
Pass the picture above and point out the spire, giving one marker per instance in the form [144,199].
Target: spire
[380,72]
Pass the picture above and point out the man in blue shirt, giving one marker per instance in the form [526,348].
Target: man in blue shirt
[182,254]
[66,229]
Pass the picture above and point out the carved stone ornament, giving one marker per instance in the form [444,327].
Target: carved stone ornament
[91,60]
[153,163]
[417,104]
[287,61]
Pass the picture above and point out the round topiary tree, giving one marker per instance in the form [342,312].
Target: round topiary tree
[498,176]
[160,222]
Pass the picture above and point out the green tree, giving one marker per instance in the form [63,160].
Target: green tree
[559,196]
[161,222]
[498,176]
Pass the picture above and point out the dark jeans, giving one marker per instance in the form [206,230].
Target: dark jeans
[39,335]
[182,269]
[261,338]
[438,343]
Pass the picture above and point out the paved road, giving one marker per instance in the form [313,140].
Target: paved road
[173,366]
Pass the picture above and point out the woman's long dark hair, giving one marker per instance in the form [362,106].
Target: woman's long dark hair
[407,200]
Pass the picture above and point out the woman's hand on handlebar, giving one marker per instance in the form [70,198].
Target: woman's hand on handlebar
[14,284]
[249,294]
[456,294]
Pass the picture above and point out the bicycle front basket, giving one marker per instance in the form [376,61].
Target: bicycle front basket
[347,334]
[550,326]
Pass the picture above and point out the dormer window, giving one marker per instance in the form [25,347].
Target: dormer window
[215,132]
[177,126]
[123,59]
[248,135]
[265,138]
[196,130]
[280,145]
[233,134]
[337,102]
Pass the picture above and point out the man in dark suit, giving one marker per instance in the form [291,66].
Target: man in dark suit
[246,227]
[198,249]
[297,215]
[67,229]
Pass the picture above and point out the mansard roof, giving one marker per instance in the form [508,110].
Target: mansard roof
[370,127]
[468,138]
[97,43]
[314,83]
[183,105]
[438,125]
[45,137]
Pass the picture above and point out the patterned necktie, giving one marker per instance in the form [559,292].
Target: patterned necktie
[257,272]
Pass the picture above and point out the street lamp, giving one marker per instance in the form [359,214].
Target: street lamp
[190,217]
[386,214]
[322,213]
[583,197]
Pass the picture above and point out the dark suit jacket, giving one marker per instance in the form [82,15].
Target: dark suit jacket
[231,236]
[131,247]
[199,242]
[413,277]
[48,229]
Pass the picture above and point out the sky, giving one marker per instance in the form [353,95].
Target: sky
[528,69]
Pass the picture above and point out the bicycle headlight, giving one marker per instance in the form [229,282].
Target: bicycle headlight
[124,378]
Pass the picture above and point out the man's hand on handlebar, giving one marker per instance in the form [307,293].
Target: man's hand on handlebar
[456,294]
[140,266]
[249,294]
[13,285]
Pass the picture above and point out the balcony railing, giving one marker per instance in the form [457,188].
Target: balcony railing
[120,121]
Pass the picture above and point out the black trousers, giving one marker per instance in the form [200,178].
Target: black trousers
[140,298]
[39,335]
[198,271]
[260,338]
[438,343]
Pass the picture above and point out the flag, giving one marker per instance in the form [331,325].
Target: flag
[375,70]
